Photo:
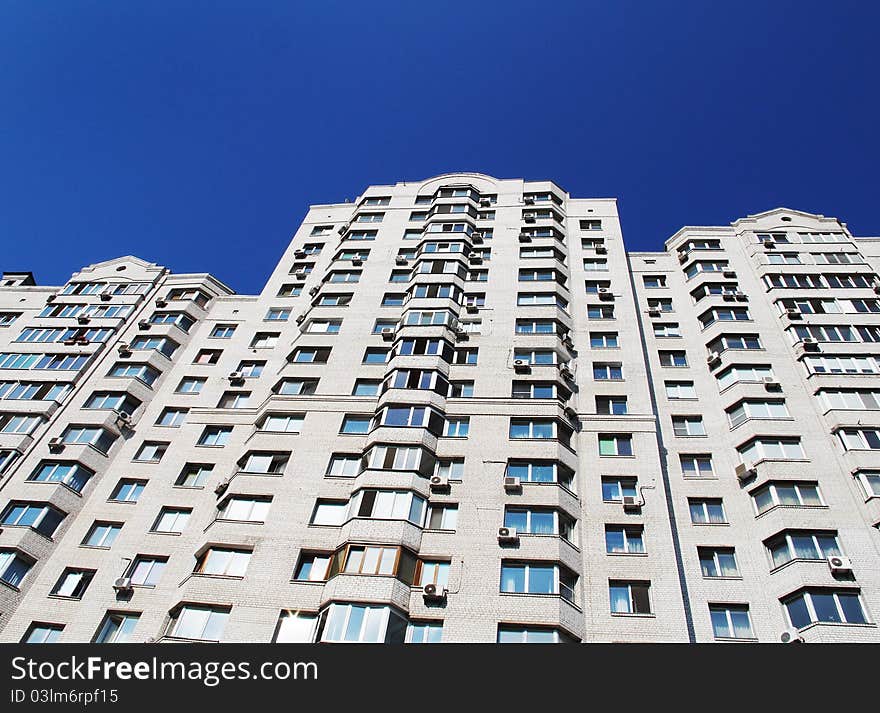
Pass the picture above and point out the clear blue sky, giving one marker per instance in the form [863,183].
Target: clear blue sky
[195,134]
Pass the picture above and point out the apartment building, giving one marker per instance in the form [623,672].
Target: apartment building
[459,411]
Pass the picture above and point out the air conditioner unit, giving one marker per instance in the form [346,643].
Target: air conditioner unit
[83,319]
[314,291]
[876,286]
[606,294]
[682,256]
[729,274]
[235,377]
[631,503]
[357,261]
[525,238]
[439,483]
[472,308]
[570,413]
[105,296]
[344,228]
[123,418]
[387,334]
[485,203]
[507,535]
[739,295]
[654,312]
[744,472]
[161,303]
[222,487]
[810,344]
[528,200]
[770,383]
[299,254]
[122,584]
[82,341]
[521,366]
[728,296]
[300,275]
[793,313]
[477,239]
[566,341]
[840,565]
[713,359]
[475,258]
[300,318]
[50,298]
[512,484]
[565,372]
[432,593]
[56,444]
[144,324]
[400,260]
[791,636]
[70,342]
[123,348]
[601,250]
[769,245]
[529,217]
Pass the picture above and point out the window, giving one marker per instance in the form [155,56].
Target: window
[611,405]
[654,281]
[604,340]
[731,621]
[772,448]
[526,299]
[743,373]
[163,345]
[323,326]
[223,331]
[465,356]
[614,489]
[532,428]
[680,390]
[141,372]
[19,423]
[41,517]
[451,468]
[265,340]
[43,633]
[540,471]
[424,632]
[296,387]
[717,561]
[697,465]
[222,561]
[73,475]
[296,627]
[511,634]
[533,390]
[603,371]
[382,324]
[629,597]
[277,314]
[461,389]
[859,438]
[313,567]
[590,224]
[673,358]
[624,539]
[375,355]
[128,490]
[747,409]
[791,545]
[537,578]
[250,369]
[113,401]
[666,329]
[595,264]
[73,583]
[190,385]
[706,511]
[457,427]
[869,480]
[102,534]
[539,521]
[201,622]
[344,465]
[442,516]
[264,463]
[393,299]
[207,356]
[684,426]
[172,520]
[13,567]
[172,417]
[361,623]
[600,312]
[355,424]
[215,436]
[99,438]
[283,422]
[289,290]
[366,387]
[330,513]
[245,508]
[615,444]
[823,605]
[194,475]
[146,570]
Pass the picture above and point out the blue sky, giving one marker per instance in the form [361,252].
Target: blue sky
[195,134]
